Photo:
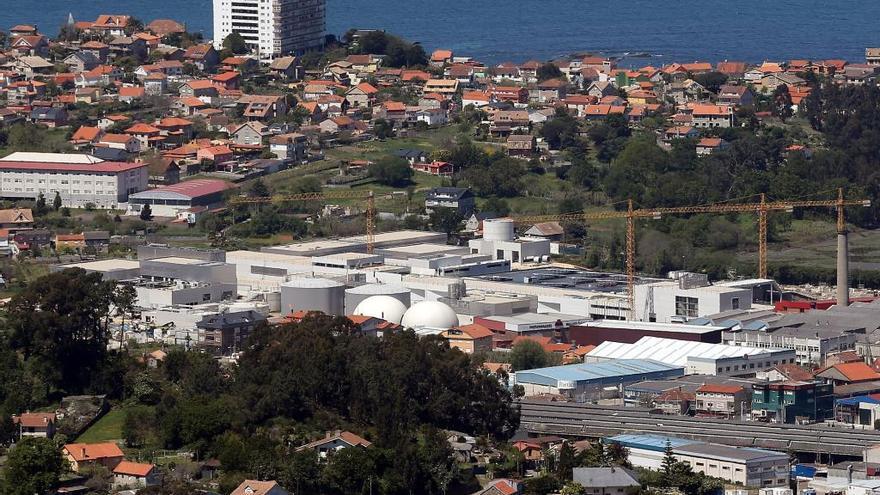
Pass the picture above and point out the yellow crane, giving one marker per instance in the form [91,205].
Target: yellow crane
[762,208]
[368,196]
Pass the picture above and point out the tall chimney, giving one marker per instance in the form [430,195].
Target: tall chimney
[842,268]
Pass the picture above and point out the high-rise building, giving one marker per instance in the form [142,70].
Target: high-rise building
[271,27]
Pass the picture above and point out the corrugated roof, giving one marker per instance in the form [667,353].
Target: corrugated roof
[671,351]
[595,371]
[185,190]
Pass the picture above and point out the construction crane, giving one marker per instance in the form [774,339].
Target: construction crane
[762,208]
[368,196]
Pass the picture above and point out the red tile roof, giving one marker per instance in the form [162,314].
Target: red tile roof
[86,133]
[196,188]
[34,420]
[133,469]
[102,167]
[711,388]
[855,372]
[93,451]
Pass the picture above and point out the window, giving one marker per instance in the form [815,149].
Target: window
[686,306]
[206,297]
[734,303]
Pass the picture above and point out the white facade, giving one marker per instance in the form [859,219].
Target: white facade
[271,27]
[182,294]
[668,302]
[104,184]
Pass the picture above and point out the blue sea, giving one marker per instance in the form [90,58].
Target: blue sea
[517,30]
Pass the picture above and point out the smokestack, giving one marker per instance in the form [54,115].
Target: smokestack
[842,268]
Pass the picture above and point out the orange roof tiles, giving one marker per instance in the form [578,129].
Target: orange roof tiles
[141,128]
[855,372]
[711,388]
[93,451]
[86,133]
[133,469]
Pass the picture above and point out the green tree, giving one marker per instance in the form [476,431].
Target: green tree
[527,355]
[383,129]
[259,190]
[445,220]
[668,464]
[392,171]
[567,461]
[124,297]
[40,208]
[146,213]
[34,466]
[56,202]
[549,71]
[235,43]
[498,206]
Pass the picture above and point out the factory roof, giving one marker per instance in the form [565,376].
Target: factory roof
[424,248]
[596,371]
[649,442]
[564,277]
[33,156]
[107,265]
[100,167]
[657,327]
[672,351]
[725,453]
[186,190]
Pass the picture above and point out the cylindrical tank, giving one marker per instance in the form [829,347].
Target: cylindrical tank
[498,229]
[356,295]
[273,299]
[313,294]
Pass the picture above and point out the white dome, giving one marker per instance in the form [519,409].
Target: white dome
[430,314]
[384,307]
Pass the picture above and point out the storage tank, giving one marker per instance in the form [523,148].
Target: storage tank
[430,314]
[313,294]
[383,307]
[498,229]
[356,295]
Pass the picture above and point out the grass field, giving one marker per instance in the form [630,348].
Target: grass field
[106,429]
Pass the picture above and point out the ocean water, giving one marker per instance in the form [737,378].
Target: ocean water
[518,30]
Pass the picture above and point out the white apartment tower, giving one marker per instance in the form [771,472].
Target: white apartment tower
[271,27]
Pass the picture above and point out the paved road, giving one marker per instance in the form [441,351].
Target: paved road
[560,418]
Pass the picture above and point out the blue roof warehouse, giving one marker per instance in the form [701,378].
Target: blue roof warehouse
[585,381]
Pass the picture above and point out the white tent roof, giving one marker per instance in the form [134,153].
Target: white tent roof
[670,351]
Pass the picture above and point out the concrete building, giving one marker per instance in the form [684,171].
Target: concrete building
[699,358]
[110,269]
[754,468]
[459,199]
[792,401]
[35,425]
[606,480]
[129,475]
[274,28]
[227,331]
[184,281]
[811,344]
[587,381]
[498,242]
[80,180]
[597,332]
[683,299]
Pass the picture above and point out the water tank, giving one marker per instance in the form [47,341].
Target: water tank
[313,294]
[430,314]
[356,295]
[384,307]
[498,229]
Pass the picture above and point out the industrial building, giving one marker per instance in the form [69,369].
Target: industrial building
[753,468]
[697,357]
[812,344]
[313,294]
[629,332]
[79,180]
[110,269]
[688,297]
[168,201]
[588,381]
[500,243]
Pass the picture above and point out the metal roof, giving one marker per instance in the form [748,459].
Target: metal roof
[594,371]
[671,351]
[186,190]
[649,442]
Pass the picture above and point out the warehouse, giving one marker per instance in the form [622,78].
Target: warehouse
[111,269]
[597,332]
[358,244]
[167,201]
[754,468]
[547,324]
[587,381]
[698,357]
[687,298]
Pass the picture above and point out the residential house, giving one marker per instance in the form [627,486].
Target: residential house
[87,95]
[127,142]
[216,154]
[469,339]
[98,50]
[227,80]
[253,487]
[33,65]
[603,111]
[22,93]
[547,230]
[156,84]
[600,89]
[613,480]
[81,61]
[445,87]
[128,46]
[129,475]
[845,373]
[203,56]
[128,94]
[165,27]
[49,116]
[101,75]
[34,425]
[175,129]
[263,107]
[460,199]
[551,90]
[85,136]
[441,57]
[736,95]
[199,88]
[771,81]
[476,98]
[438,168]
[712,116]
[708,145]
[872,56]
[675,402]
[722,400]
[392,111]
[334,125]
[501,486]
[512,94]
[431,116]
[164,171]
[506,122]
[148,136]
[170,68]
[33,45]
[291,146]
[239,64]
[474,223]
[362,95]
[250,134]
[84,455]
[288,68]
[521,145]
[110,25]
[733,70]
[412,156]
[334,441]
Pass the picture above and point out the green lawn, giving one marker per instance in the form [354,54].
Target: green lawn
[107,429]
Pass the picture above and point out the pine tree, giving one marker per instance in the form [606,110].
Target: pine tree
[41,204]
[56,203]
[668,465]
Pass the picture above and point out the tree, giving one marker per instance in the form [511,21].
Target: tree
[549,71]
[124,298]
[56,203]
[782,102]
[527,355]
[235,43]
[146,213]
[573,488]
[59,324]
[668,464]
[41,204]
[383,129]
[33,466]
[259,190]
[392,171]
[445,220]
[567,461]
[498,206]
